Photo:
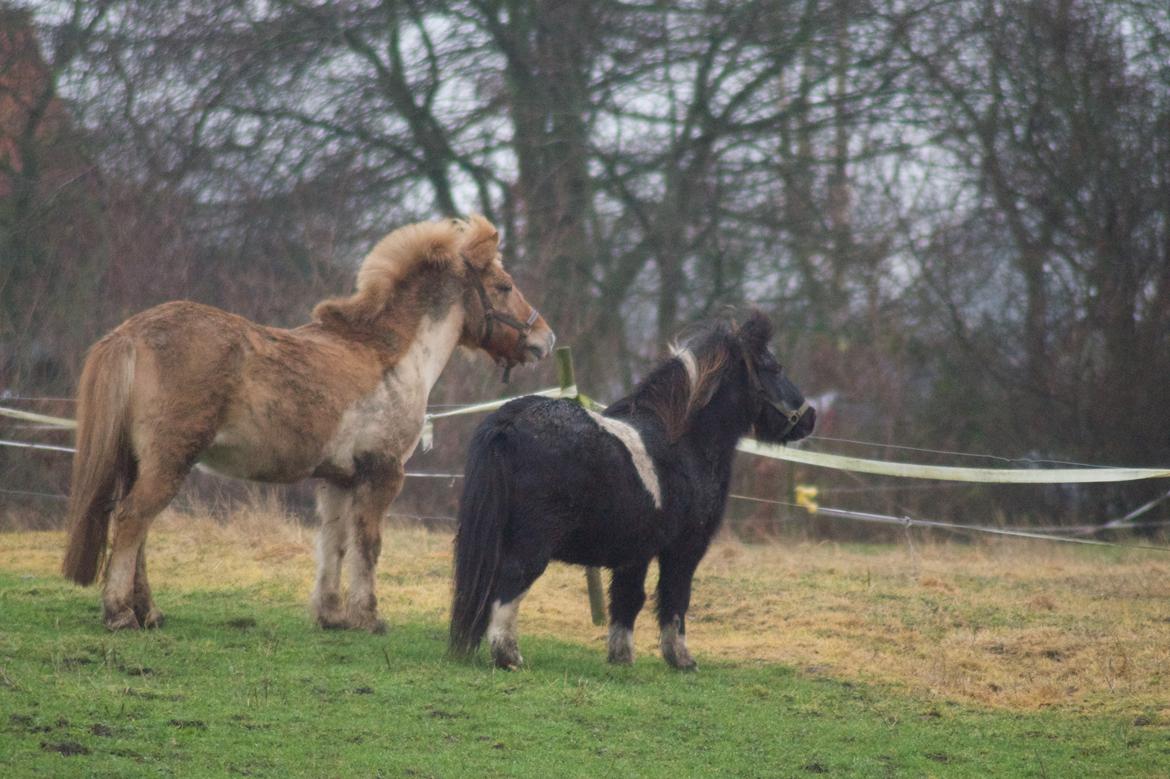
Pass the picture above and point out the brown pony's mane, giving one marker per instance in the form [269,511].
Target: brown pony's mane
[445,244]
[667,392]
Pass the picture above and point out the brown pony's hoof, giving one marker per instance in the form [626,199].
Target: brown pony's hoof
[149,615]
[153,620]
[365,620]
[376,626]
[122,620]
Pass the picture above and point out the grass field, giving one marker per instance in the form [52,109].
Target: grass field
[948,661]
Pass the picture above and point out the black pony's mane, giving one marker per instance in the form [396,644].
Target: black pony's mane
[666,391]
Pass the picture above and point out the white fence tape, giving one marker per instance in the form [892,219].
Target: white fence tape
[802,456]
[474,408]
[951,473]
[29,416]
[492,405]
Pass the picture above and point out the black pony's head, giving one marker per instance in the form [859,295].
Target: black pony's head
[724,379]
[784,415]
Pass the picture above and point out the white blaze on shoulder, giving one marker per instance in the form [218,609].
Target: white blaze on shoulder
[632,440]
[390,419]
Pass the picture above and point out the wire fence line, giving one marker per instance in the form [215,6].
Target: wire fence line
[905,521]
[44,447]
[35,494]
[1039,534]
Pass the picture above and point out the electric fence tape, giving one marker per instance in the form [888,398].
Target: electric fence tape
[951,473]
[772,451]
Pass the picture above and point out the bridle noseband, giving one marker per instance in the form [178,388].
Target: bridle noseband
[491,314]
[793,415]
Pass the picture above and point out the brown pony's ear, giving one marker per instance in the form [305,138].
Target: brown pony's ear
[756,332]
[481,242]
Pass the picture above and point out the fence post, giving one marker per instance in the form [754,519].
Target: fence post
[592,575]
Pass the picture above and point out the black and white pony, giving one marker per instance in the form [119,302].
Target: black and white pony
[549,480]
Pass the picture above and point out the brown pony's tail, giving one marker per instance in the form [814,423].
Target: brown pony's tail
[104,461]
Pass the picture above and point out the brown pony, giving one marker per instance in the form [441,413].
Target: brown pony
[342,398]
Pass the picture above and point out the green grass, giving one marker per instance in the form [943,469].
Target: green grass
[238,682]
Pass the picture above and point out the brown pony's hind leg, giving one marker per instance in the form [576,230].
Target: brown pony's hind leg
[371,497]
[121,597]
[144,607]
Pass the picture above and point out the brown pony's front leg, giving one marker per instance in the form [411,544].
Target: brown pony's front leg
[333,504]
[370,499]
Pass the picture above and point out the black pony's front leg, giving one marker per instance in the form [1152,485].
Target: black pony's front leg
[627,595]
[675,573]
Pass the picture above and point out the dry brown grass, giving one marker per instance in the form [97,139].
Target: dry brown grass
[1017,624]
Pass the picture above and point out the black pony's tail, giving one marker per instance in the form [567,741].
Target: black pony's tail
[483,513]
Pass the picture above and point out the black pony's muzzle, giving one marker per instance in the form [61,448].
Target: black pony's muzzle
[803,424]
[789,424]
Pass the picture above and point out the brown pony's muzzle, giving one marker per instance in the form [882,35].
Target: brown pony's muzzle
[515,335]
[539,341]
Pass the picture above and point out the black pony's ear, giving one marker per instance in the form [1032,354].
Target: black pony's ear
[756,332]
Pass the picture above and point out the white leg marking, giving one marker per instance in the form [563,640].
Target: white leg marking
[331,541]
[361,575]
[632,440]
[501,633]
[674,646]
[120,575]
[620,644]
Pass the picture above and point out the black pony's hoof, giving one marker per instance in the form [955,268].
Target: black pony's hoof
[506,655]
[620,645]
[674,647]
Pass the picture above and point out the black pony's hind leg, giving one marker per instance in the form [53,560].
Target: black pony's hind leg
[516,576]
[675,573]
[627,595]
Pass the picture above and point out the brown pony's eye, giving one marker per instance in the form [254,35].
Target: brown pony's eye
[503,289]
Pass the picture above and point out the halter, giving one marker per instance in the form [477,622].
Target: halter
[792,415]
[491,314]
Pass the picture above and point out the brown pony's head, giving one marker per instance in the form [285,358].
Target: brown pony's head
[499,320]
